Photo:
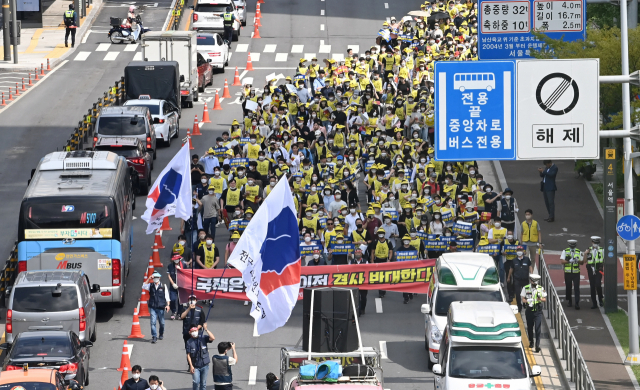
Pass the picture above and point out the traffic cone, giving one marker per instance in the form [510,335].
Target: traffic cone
[41,69]
[189,139]
[158,240]
[258,14]
[216,103]
[225,91]
[48,66]
[249,64]
[144,306]
[258,22]
[256,32]
[123,378]
[136,333]
[196,126]
[17,92]
[260,1]
[3,102]
[23,87]
[30,83]
[236,77]
[165,224]
[156,256]
[125,364]
[36,73]
[150,269]
[205,114]
[10,96]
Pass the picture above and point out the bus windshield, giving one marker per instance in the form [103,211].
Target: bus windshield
[69,219]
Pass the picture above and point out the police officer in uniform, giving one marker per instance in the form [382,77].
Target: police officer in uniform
[228,18]
[198,356]
[533,295]
[572,260]
[595,263]
[519,272]
[71,22]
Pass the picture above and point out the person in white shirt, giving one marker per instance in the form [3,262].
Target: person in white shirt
[390,230]
[337,204]
[350,219]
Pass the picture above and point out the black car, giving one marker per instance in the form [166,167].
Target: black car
[62,350]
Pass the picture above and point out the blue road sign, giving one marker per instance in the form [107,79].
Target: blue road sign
[504,27]
[475,110]
[628,227]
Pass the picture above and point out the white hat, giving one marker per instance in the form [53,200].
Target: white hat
[595,238]
[534,276]
[572,241]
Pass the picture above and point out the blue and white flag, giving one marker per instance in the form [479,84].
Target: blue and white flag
[171,192]
[268,256]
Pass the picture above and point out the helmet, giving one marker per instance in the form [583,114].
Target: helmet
[73,385]
[132,8]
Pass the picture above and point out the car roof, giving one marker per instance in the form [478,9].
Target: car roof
[123,111]
[221,2]
[35,375]
[120,141]
[468,268]
[492,322]
[149,102]
[37,278]
[45,334]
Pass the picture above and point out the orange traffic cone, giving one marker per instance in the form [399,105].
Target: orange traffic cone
[196,126]
[158,240]
[205,114]
[3,103]
[123,378]
[216,103]
[225,91]
[125,364]
[260,2]
[165,224]
[236,77]
[150,269]
[136,332]
[258,14]
[256,32]
[144,307]
[258,21]
[189,139]
[156,257]
[249,64]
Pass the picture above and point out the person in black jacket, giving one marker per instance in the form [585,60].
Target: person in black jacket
[135,383]
[273,383]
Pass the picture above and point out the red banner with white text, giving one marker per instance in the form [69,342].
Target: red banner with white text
[401,276]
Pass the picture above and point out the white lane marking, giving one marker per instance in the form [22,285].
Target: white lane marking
[23,94]
[244,72]
[355,48]
[248,80]
[579,321]
[386,5]
[338,56]
[383,350]
[388,20]
[322,27]
[131,47]
[134,217]
[270,48]
[564,229]
[82,56]
[379,305]
[242,47]
[321,42]
[111,56]
[255,57]
[103,47]
[309,56]
[253,372]
[208,99]
[129,349]
[86,35]
[321,12]
[324,48]
[255,330]
[221,99]
[281,57]
[138,56]
[297,48]
[252,35]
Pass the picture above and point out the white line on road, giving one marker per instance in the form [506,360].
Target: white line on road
[138,56]
[322,27]
[103,47]
[242,47]
[386,5]
[379,305]
[579,321]
[253,372]
[208,99]
[309,56]
[270,48]
[86,35]
[255,330]
[111,56]
[255,57]
[383,350]
[281,57]
[82,56]
[23,94]
[324,48]
[564,229]
[244,72]
[321,12]
[297,48]
[131,47]
[355,48]
[338,56]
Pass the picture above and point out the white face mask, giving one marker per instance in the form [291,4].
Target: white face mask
[352,210]
[194,334]
[203,180]
[344,212]
[307,239]
[381,235]
[507,197]
[436,217]
[216,173]
[272,184]
[528,217]
[316,256]
[519,253]
[153,387]
[209,242]
[182,242]
[510,237]
[136,376]
[156,280]
[340,241]
[338,197]
[472,172]
[211,192]
[406,242]
[497,224]
[176,261]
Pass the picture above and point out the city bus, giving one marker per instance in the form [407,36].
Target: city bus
[77,214]
[463,81]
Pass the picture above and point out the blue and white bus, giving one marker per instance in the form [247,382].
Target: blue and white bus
[76,214]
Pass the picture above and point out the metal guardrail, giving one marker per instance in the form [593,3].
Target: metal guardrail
[567,344]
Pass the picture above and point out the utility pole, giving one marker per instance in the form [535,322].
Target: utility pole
[5,30]
[14,30]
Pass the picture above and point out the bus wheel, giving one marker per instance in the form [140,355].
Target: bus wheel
[121,303]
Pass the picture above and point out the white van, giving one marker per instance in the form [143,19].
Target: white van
[482,348]
[457,277]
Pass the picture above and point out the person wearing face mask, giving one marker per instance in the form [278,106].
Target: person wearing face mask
[155,383]
[352,217]
[507,209]
[471,216]
[231,197]
[210,210]
[337,259]
[530,234]
[197,170]
[158,304]
[496,236]
[337,204]
[572,259]
[491,200]
[508,262]
[252,194]
[198,356]
[181,248]
[218,183]
[135,382]
[381,251]
[317,258]
[235,237]
[519,274]
[172,270]
[533,295]
[357,258]
[595,269]
[272,183]
[307,242]
[209,161]
[207,256]
[192,316]
[390,229]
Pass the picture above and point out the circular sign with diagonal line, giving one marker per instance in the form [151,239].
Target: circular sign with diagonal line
[561,99]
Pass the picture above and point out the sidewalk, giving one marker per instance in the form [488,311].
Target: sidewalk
[39,44]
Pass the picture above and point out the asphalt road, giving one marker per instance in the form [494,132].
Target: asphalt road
[43,120]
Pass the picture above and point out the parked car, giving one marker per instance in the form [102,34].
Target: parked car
[137,158]
[52,300]
[241,6]
[166,117]
[207,16]
[61,350]
[126,121]
[205,73]
[213,50]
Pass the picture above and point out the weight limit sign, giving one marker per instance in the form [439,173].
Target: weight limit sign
[557,94]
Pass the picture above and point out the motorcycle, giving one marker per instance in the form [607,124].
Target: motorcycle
[120,33]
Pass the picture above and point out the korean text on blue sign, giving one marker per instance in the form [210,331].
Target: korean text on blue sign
[341,249]
[505,27]
[407,255]
[219,152]
[491,250]
[239,162]
[307,250]
[465,245]
[436,245]
[463,228]
[238,224]
[475,110]
[512,249]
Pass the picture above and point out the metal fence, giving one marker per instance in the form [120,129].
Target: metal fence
[561,331]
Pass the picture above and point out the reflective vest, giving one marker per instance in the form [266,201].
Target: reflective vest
[69,17]
[311,199]
[596,257]
[156,296]
[499,234]
[233,197]
[530,232]
[263,167]
[252,192]
[310,223]
[252,151]
[209,255]
[218,184]
[507,212]
[192,319]
[357,237]
[221,369]
[572,254]
[479,200]
[511,257]
[382,250]
[228,19]
[416,244]
[533,296]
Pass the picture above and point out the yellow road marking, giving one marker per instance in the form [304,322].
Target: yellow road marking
[186,28]
[34,41]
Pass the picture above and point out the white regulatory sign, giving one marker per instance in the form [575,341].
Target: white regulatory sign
[558,15]
[506,17]
[558,106]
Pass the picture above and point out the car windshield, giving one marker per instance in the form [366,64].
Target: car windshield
[42,299]
[153,108]
[445,297]
[28,347]
[206,40]
[124,151]
[487,363]
[28,386]
[211,8]
[127,125]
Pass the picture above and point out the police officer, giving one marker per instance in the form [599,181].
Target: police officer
[158,304]
[572,260]
[228,18]
[519,273]
[533,295]
[198,356]
[595,258]
[71,22]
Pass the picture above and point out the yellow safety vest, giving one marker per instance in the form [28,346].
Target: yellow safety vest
[218,184]
[572,254]
[233,197]
[357,237]
[499,234]
[479,200]
[311,199]
[241,181]
[416,244]
[530,233]
[328,235]
[310,223]
[252,192]
[209,255]
[511,257]
[382,250]
[263,167]
[252,151]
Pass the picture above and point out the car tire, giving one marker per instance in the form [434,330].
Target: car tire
[200,89]
[94,335]
[155,154]
[168,141]
[426,342]
[122,302]
[196,97]
[86,380]
[177,135]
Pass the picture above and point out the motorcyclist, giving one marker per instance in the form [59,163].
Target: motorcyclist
[131,18]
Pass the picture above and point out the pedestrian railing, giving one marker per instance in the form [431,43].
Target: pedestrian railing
[571,357]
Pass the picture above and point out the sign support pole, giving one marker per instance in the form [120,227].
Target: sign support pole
[610,235]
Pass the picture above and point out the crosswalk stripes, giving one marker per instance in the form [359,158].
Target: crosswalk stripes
[242,47]
[82,56]
[297,48]
[355,48]
[111,56]
[324,48]
[338,56]
[103,47]
[309,56]
[269,48]
[255,57]
[138,56]
[131,47]
[281,57]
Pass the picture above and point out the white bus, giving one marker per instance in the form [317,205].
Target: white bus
[463,81]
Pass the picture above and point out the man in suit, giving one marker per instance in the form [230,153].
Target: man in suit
[548,187]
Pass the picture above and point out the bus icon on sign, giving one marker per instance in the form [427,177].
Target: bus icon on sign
[463,81]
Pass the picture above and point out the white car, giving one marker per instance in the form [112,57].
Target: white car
[241,6]
[456,277]
[208,16]
[213,49]
[165,117]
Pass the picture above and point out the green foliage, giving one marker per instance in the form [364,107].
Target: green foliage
[603,15]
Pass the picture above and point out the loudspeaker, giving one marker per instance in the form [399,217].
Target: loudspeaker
[333,328]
